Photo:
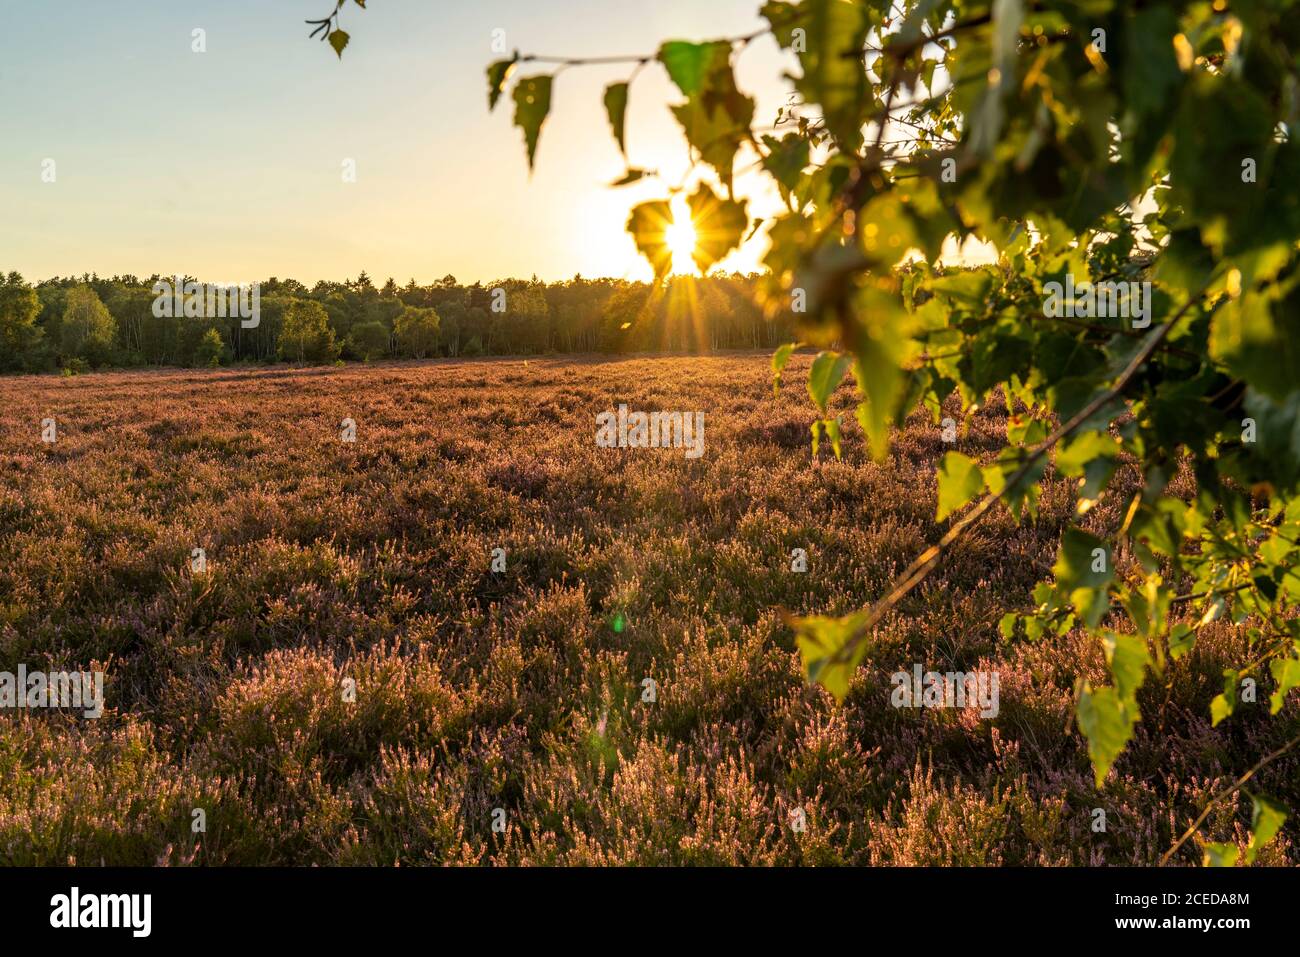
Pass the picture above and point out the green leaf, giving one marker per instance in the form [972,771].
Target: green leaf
[1074,456]
[1266,819]
[715,134]
[1220,119]
[1213,612]
[833,34]
[648,224]
[616,110]
[833,433]
[960,480]
[1181,640]
[779,360]
[1148,606]
[1107,722]
[786,159]
[1026,430]
[1286,674]
[902,220]
[1128,658]
[532,104]
[1225,704]
[631,176]
[1150,68]
[498,73]
[689,63]
[1083,569]
[1022,493]
[969,288]
[1220,708]
[1219,855]
[820,641]
[1007,625]
[825,376]
[716,116]
[1254,335]
[338,40]
[1278,423]
[1092,457]
[719,226]
[882,346]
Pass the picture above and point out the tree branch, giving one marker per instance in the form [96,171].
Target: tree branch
[924,563]
[1229,790]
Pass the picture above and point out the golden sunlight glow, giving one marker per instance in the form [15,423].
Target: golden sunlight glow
[680,238]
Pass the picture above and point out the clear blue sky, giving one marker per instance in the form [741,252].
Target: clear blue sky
[227,164]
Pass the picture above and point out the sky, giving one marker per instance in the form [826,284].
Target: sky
[228,165]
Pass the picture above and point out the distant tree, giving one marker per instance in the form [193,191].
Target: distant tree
[624,322]
[307,336]
[578,315]
[190,333]
[261,342]
[137,327]
[88,327]
[369,340]
[211,350]
[453,317]
[53,294]
[19,334]
[418,331]
[383,311]
[476,322]
[288,287]
[528,325]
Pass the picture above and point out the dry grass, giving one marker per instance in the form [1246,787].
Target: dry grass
[522,691]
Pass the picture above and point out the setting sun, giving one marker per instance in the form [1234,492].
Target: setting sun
[681,238]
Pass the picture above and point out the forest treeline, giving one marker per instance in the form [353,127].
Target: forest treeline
[81,323]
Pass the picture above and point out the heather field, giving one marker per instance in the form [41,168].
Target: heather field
[520,697]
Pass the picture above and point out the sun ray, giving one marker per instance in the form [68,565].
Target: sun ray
[681,238]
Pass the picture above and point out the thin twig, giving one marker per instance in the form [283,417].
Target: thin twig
[1180,599]
[1229,790]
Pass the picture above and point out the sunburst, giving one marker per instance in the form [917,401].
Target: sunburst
[681,238]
